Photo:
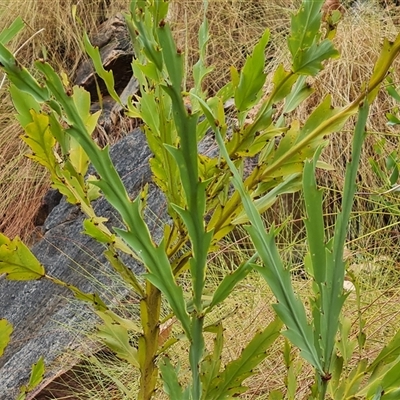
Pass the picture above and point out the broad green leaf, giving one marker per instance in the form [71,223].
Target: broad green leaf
[275,395]
[5,332]
[115,336]
[345,344]
[388,354]
[39,138]
[337,371]
[23,103]
[309,62]
[170,379]
[300,91]
[36,377]
[283,82]
[324,120]
[93,192]
[391,395]
[59,133]
[225,288]
[229,382]
[72,186]
[148,112]
[305,25]
[378,393]
[9,33]
[392,90]
[252,76]
[91,228]
[304,41]
[200,71]
[388,53]
[324,112]
[314,222]
[149,70]
[349,386]
[36,374]
[211,364]
[77,155]
[332,289]
[375,380]
[128,324]
[71,114]
[81,99]
[145,36]
[392,119]
[293,372]
[17,262]
[173,59]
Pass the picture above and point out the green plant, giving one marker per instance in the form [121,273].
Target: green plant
[196,186]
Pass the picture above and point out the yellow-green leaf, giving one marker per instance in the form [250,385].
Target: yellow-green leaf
[116,337]
[17,261]
[41,141]
[5,333]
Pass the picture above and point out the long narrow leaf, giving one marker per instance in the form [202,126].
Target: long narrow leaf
[225,288]
[290,309]
[332,289]
[9,33]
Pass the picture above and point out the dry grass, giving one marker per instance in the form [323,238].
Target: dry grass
[235,27]
[22,183]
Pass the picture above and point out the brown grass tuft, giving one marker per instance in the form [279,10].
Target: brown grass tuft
[22,183]
[235,27]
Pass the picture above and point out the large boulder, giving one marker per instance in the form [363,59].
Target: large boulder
[43,314]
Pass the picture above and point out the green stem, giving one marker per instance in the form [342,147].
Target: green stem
[148,343]
[322,386]
[196,354]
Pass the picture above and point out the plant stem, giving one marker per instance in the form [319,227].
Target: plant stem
[196,353]
[322,386]
[148,343]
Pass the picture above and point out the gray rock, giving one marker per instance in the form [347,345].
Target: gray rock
[116,52]
[43,315]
